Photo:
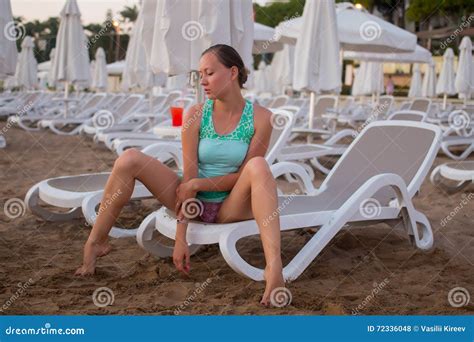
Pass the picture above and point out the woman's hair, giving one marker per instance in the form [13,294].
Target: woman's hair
[229,57]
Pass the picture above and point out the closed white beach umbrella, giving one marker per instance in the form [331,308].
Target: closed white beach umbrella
[358,30]
[26,75]
[428,88]
[373,81]
[317,68]
[137,71]
[51,81]
[282,68]
[8,51]
[71,59]
[445,85]
[463,81]
[183,30]
[99,79]
[415,83]
[261,81]
[359,77]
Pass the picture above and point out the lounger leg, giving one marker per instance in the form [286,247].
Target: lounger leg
[32,203]
[146,238]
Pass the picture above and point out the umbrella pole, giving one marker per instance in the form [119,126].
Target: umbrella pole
[444,101]
[150,102]
[312,99]
[66,95]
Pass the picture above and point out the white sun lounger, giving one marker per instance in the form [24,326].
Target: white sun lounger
[85,191]
[373,181]
[461,172]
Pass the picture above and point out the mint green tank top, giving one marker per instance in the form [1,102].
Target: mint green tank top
[220,155]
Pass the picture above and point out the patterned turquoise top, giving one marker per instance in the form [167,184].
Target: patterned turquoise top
[220,155]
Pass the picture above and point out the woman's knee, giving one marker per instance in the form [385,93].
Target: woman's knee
[258,167]
[128,161]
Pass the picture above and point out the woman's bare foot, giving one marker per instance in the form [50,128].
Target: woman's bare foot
[92,251]
[274,282]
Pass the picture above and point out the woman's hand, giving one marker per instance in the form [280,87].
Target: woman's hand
[184,191]
[181,256]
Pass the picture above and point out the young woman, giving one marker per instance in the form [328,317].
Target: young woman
[224,141]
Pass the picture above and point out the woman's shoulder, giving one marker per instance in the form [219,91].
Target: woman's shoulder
[262,115]
[192,117]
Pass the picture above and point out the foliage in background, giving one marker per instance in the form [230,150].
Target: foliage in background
[277,12]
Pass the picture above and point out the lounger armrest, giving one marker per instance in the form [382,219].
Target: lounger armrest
[341,135]
[282,168]
[160,148]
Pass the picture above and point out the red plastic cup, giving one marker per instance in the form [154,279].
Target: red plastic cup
[177,116]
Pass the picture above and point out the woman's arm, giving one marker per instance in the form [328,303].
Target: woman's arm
[190,141]
[258,147]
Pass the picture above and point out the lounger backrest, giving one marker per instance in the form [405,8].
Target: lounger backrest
[323,103]
[93,102]
[128,105]
[404,148]
[282,123]
[171,97]
[383,106]
[408,115]
[420,104]
[279,101]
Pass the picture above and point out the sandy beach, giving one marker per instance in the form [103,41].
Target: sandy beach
[365,270]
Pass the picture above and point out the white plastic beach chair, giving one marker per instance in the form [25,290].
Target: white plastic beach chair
[74,192]
[460,172]
[34,122]
[93,119]
[373,181]
[408,115]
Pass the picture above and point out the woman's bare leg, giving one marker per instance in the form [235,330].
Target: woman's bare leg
[256,183]
[159,179]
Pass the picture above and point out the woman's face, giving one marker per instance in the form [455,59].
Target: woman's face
[216,78]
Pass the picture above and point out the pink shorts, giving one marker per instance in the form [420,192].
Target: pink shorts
[210,211]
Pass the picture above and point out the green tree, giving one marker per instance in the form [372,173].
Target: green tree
[277,12]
